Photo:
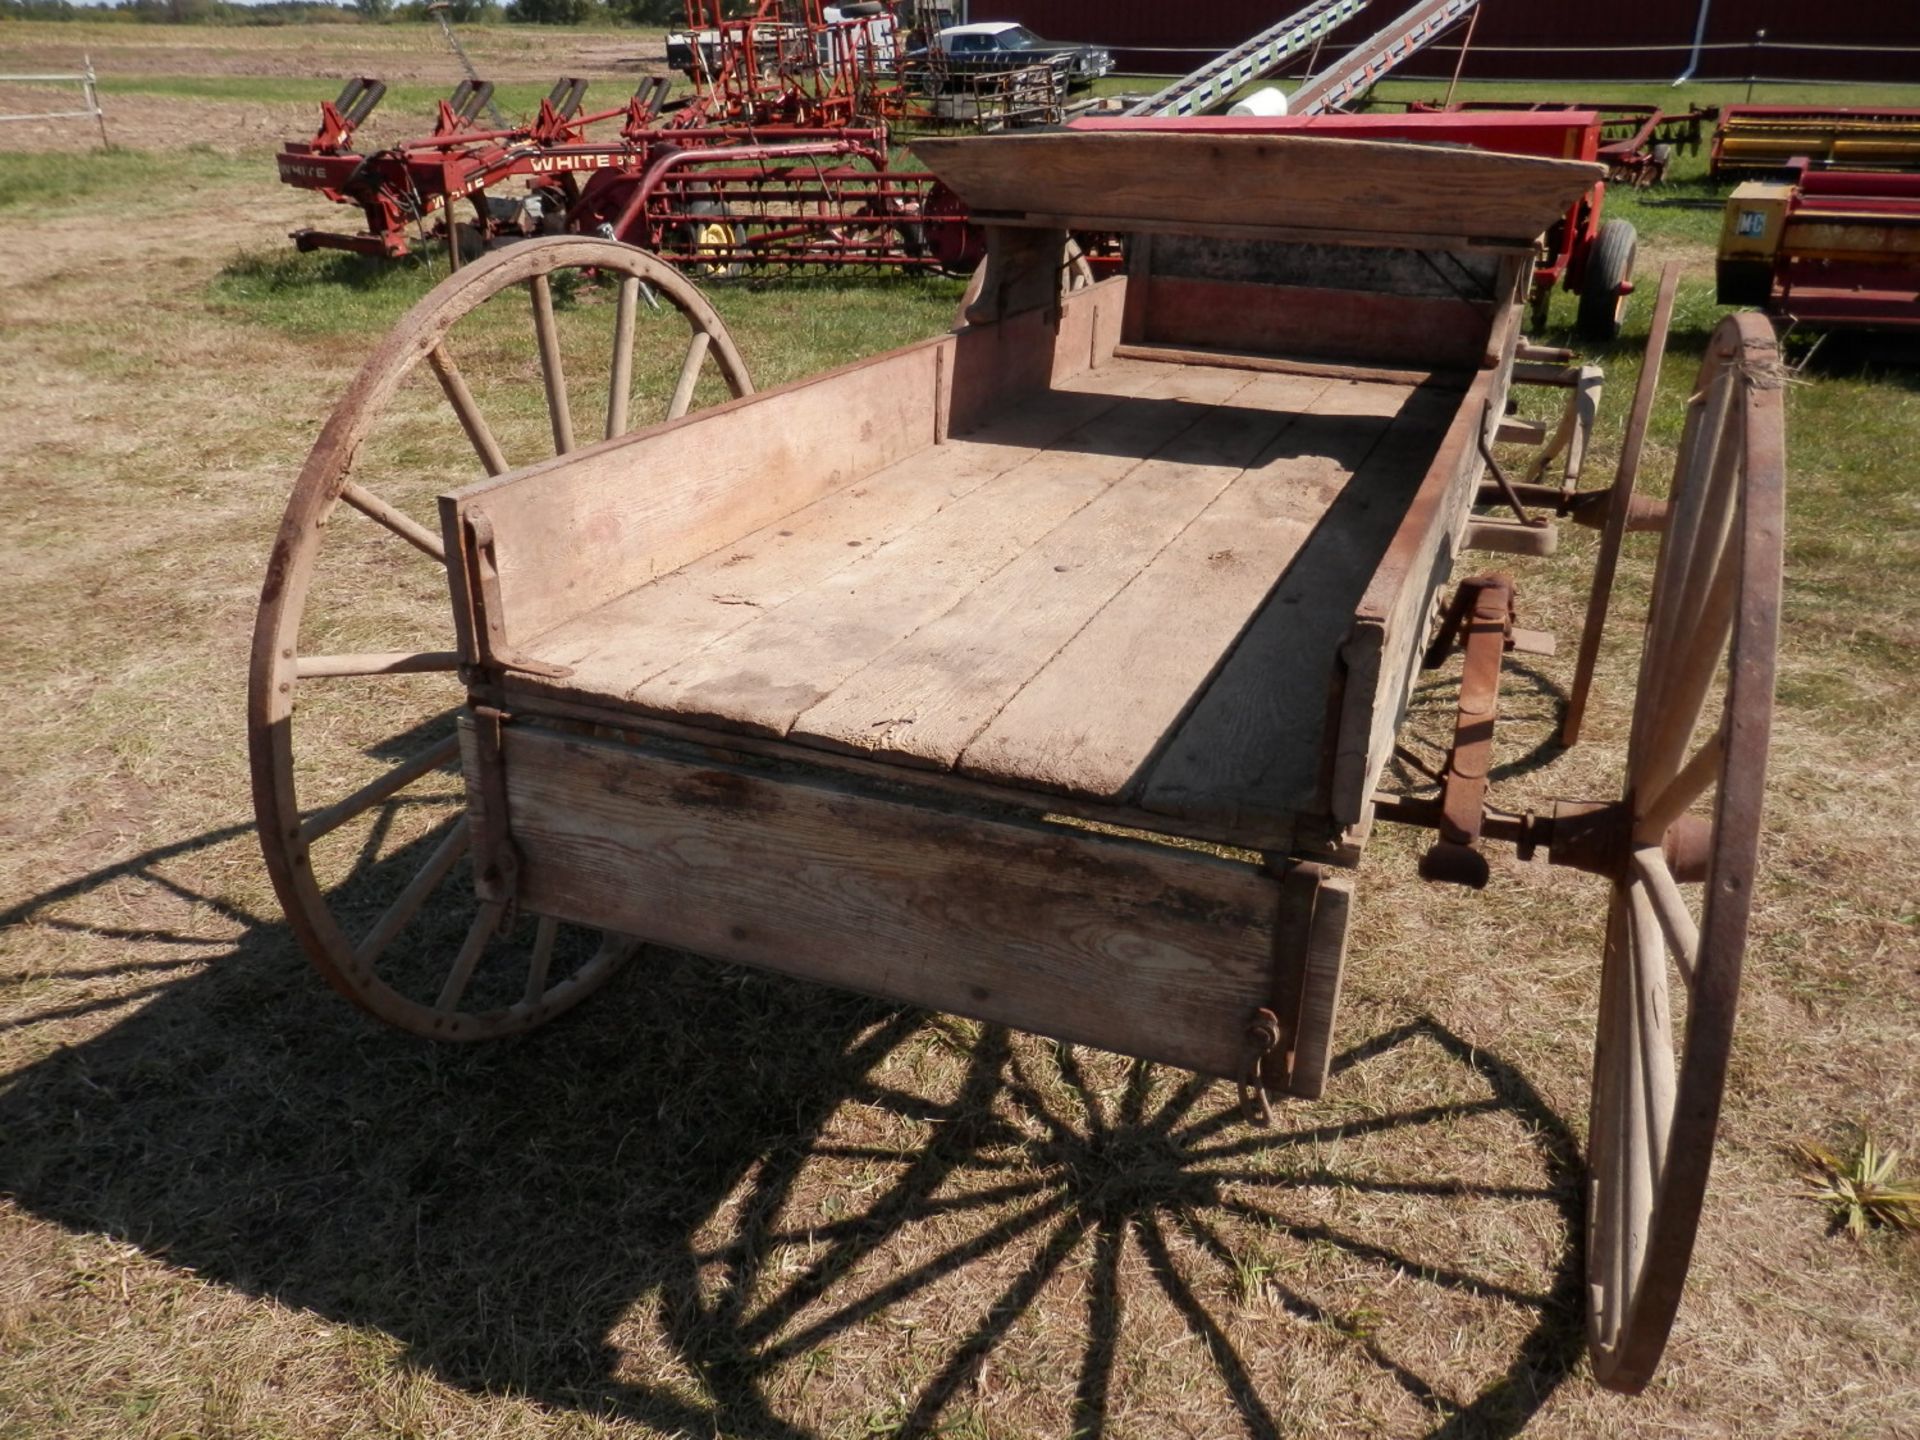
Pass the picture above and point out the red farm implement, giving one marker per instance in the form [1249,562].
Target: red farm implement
[1833,250]
[1637,142]
[1591,258]
[781,156]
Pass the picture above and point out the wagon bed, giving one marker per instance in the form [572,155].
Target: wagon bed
[1099,590]
[1160,553]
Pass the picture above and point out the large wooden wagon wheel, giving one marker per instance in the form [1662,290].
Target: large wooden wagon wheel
[1694,807]
[549,336]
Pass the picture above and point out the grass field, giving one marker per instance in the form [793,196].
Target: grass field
[716,1203]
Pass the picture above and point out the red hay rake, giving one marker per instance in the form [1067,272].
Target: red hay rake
[781,157]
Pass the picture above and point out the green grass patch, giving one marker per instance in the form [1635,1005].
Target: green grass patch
[323,292]
[54,181]
[787,328]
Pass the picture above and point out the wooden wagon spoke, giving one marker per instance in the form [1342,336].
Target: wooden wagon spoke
[1611,1154]
[612,952]
[384,662]
[683,388]
[1687,786]
[323,822]
[1669,907]
[547,336]
[1709,556]
[1620,502]
[620,380]
[425,881]
[1689,679]
[401,524]
[454,385]
[471,949]
[1653,1076]
[537,965]
[1699,457]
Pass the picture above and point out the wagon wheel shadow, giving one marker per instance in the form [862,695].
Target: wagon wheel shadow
[1525,689]
[684,1151]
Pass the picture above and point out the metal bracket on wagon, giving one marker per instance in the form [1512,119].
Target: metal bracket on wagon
[490,629]
[1263,1037]
[1596,837]
[496,863]
[1481,618]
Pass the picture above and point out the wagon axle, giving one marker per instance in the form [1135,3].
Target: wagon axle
[1593,836]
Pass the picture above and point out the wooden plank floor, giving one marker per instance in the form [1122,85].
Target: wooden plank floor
[1130,589]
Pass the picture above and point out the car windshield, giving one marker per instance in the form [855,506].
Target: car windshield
[1019,38]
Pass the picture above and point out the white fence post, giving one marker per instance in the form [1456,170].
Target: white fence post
[89,90]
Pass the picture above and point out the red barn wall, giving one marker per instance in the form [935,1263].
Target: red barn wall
[1156,36]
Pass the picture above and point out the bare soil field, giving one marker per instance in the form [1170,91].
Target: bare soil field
[715,1203]
[394,52]
[167,85]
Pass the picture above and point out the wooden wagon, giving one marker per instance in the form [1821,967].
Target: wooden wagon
[1045,671]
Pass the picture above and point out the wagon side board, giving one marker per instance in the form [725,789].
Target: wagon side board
[1150,950]
[1380,660]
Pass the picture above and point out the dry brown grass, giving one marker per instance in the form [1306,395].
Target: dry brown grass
[716,1203]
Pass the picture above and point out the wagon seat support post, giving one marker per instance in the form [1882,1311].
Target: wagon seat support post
[1021,272]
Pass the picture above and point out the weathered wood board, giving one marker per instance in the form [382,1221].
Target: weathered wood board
[594,524]
[1145,949]
[1377,329]
[1354,191]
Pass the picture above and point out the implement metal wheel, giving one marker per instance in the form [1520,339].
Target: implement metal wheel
[1695,810]
[360,808]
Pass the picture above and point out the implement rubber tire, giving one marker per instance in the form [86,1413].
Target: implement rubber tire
[1602,305]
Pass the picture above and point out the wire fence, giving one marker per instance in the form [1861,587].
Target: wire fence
[89,94]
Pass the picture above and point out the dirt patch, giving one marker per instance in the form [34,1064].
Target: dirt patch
[392,52]
[146,122]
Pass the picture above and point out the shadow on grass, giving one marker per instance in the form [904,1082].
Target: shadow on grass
[503,1210]
[1879,359]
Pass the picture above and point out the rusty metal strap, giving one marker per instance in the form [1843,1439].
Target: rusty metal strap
[490,631]
[496,863]
[1483,616]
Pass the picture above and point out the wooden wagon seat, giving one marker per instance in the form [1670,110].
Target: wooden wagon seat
[1286,182]
[1130,588]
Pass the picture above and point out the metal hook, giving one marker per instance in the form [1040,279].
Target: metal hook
[1263,1033]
